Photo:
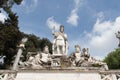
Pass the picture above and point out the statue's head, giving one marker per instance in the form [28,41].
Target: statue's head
[77,48]
[84,49]
[61,28]
[87,49]
[46,49]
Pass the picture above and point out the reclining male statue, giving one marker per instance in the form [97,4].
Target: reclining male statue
[39,60]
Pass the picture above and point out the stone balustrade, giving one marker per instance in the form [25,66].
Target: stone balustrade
[65,72]
[110,75]
[7,74]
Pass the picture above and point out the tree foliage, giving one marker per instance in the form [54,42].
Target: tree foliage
[34,43]
[45,42]
[113,59]
[10,35]
[6,5]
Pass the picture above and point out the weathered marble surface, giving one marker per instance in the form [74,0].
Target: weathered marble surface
[60,42]
[58,76]
[67,74]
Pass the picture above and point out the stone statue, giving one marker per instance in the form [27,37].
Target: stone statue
[2,60]
[38,60]
[94,61]
[60,42]
[19,53]
[118,36]
[36,63]
[77,54]
[85,53]
[83,59]
[33,61]
[46,56]
[76,58]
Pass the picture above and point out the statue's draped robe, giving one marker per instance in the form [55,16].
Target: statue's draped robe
[60,44]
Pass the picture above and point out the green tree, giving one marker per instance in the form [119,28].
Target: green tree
[113,59]
[33,43]
[10,34]
[45,42]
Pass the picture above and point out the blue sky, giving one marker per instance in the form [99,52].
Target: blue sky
[89,23]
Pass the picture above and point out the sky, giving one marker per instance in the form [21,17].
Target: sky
[88,23]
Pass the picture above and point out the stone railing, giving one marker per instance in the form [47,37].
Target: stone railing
[7,74]
[110,75]
[103,75]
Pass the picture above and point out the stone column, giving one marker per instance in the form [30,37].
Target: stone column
[21,46]
[15,65]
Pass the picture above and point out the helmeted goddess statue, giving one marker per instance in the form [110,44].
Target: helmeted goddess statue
[60,42]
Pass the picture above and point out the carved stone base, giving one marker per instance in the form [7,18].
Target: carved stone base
[72,73]
[57,76]
[68,74]
[58,55]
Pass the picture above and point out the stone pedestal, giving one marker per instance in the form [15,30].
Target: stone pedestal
[57,59]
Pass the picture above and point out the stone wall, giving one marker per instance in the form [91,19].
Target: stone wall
[60,74]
